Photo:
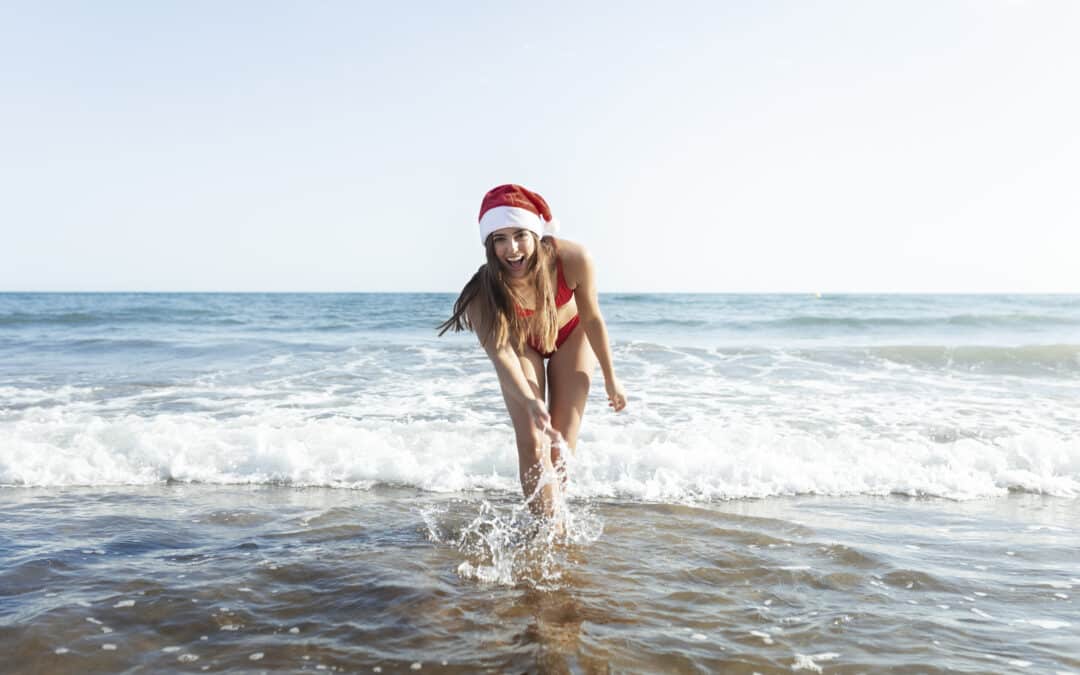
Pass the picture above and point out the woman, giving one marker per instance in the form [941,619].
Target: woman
[535,300]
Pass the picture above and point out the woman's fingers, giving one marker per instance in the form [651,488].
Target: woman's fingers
[541,417]
[544,426]
[554,435]
[616,395]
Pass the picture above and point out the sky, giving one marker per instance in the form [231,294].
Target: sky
[844,146]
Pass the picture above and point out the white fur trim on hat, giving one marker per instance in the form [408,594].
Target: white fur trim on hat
[510,216]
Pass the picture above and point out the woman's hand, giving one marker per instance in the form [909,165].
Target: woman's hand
[616,396]
[538,412]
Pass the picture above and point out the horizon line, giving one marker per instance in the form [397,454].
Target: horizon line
[453,292]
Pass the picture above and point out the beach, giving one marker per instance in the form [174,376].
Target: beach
[201,482]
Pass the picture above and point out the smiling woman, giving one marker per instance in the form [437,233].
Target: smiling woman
[525,305]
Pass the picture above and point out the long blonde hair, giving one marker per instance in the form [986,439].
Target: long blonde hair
[501,320]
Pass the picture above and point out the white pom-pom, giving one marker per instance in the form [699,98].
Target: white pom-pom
[551,226]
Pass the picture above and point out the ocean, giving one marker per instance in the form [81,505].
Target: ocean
[317,482]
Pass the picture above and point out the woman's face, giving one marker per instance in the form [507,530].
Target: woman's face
[515,248]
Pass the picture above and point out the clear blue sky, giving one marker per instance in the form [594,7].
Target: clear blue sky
[693,146]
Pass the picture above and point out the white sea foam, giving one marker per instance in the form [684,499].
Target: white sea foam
[1046,624]
[729,398]
[805,662]
[619,456]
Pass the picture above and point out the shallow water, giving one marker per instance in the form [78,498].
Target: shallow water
[186,577]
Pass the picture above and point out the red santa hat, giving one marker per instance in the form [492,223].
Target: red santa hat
[515,206]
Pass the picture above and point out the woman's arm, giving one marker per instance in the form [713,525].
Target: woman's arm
[588,305]
[511,377]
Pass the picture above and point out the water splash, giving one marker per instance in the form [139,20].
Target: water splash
[510,545]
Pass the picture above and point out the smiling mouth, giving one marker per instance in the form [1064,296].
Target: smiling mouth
[516,263]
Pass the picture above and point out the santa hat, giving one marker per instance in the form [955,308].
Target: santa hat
[515,206]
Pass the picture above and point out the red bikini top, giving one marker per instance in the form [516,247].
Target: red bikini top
[562,294]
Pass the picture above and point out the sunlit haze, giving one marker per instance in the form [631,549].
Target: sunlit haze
[713,147]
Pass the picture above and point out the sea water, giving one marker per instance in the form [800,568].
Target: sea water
[282,482]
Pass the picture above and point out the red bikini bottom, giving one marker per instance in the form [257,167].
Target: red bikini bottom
[563,336]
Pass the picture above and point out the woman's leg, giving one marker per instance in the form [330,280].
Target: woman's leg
[533,462]
[569,372]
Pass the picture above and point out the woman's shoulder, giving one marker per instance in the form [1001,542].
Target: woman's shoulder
[575,260]
[571,251]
